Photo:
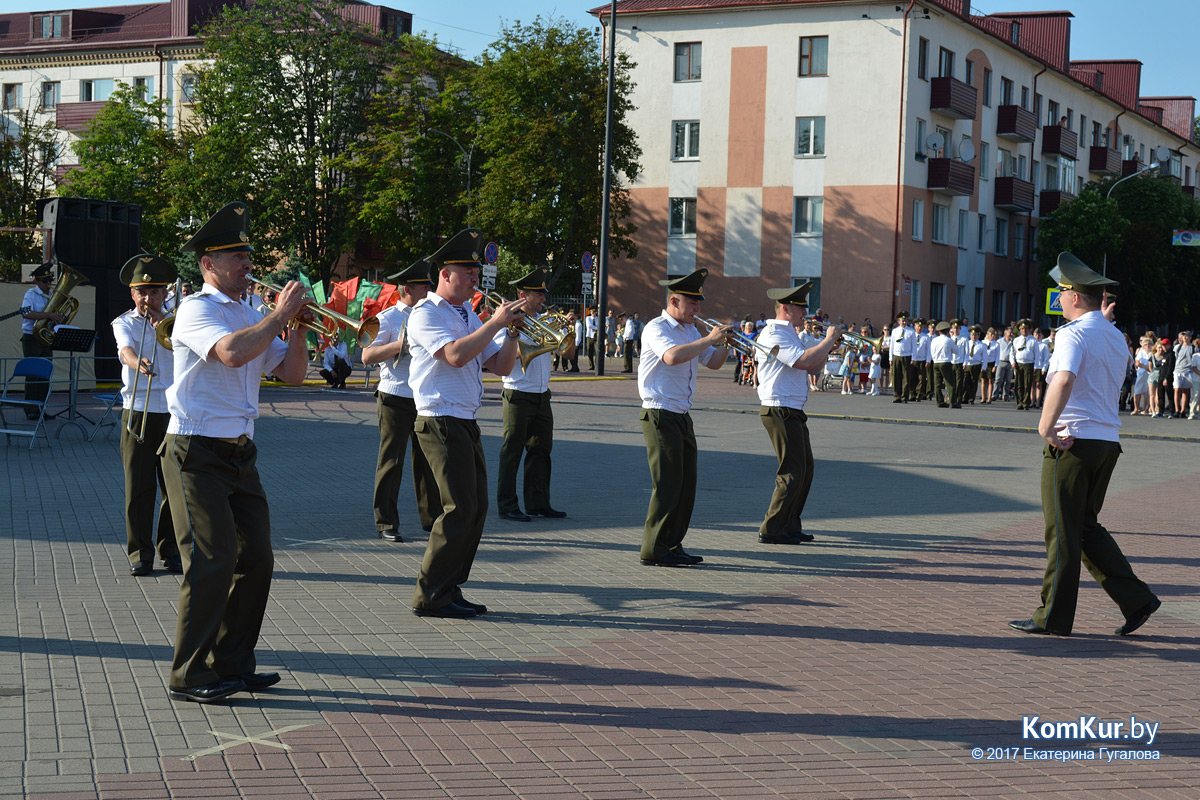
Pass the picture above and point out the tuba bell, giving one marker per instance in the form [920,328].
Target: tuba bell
[61,303]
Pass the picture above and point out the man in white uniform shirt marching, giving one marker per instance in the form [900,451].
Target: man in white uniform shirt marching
[783,391]
[904,342]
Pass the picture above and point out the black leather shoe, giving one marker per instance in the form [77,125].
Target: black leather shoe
[173,564]
[1139,617]
[691,558]
[669,560]
[548,512]
[1027,626]
[515,516]
[257,681]
[782,539]
[140,569]
[209,693]
[478,608]
[391,535]
[449,611]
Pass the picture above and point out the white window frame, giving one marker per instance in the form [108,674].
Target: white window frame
[816,138]
[687,221]
[12,96]
[981,239]
[690,142]
[1001,237]
[55,90]
[964,217]
[918,219]
[941,224]
[808,216]
[693,73]
[985,154]
[1019,240]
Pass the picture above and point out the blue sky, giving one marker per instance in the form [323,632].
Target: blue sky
[1159,33]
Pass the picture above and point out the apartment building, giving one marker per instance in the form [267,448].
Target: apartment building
[64,65]
[897,155]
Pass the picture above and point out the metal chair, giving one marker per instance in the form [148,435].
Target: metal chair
[42,368]
[110,401]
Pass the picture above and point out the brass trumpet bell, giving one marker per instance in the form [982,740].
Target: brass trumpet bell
[742,344]
[538,336]
[365,330]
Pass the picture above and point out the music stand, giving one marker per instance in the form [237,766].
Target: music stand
[73,340]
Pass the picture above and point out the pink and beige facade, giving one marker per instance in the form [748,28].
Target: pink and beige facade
[898,155]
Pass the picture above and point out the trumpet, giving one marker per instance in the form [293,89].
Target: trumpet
[364,330]
[856,338]
[538,336]
[741,343]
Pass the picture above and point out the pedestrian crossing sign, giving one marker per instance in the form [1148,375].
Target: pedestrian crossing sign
[1054,302]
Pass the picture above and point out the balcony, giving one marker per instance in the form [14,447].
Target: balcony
[951,176]
[1188,191]
[1104,160]
[952,97]
[74,116]
[1014,194]
[1015,123]
[1057,140]
[1130,166]
[1050,200]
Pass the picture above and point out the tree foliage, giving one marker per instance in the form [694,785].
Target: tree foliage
[540,92]
[28,154]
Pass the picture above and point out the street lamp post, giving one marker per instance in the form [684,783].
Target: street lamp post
[467,155]
[1118,182]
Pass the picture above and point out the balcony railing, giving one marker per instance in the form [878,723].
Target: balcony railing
[1014,194]
[951,176]
[1057,140]
[952,97]
[1188,191]
[1015,123]
[1104,160]
[1130,166]
[1052,199]
[74,116]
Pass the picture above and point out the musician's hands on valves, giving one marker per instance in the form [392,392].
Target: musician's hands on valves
[510,312]
[292,301]
[718,335]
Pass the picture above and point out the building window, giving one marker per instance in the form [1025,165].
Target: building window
[969,75]
[1051,113]
[1078,185]
[808,216]
[941,223]
[918,219]
[687,61]
[49,26]
[1016,305]
[1021,166]
[963,216]
[1025,97]
[144,88]
[1006,165]
[978,304]
[1037,109]
[921,131]
[945,63]
[987,87]
[1070,118]
[187,89]
[981,239]
[814,56]
[960,310]
[1019,240]
[1014,35]
[985,151]
[937,300]
[998,317]
[683,216]
[686,140]
[1001,237]
[1097,139]
[12,96]
[923,59]
[1127,147]
[914,299]
[1058,175]
[1006,91]
[51,95]
[95,91]
[810,136]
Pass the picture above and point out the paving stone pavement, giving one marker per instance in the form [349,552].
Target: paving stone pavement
[869,663]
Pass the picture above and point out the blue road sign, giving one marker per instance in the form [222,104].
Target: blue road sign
[587,262]
[491,252]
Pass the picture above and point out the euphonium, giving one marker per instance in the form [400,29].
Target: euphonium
[537,335]
[60,302]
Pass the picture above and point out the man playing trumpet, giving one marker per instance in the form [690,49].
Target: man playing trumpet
[783,391]
[146,372]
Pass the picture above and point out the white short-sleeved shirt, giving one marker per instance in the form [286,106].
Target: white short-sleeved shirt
[440,390]
[960,349]
[780,384]
[1023,351]
[1184,355]
[670,388]
[991,353]
[921,352]
[903,341]
[630,331]
[35,299]
[127,330]
[208,398]
[942,349]
[592,325]
[974,352]
[393,373]
[1005,346]
[1094,351]
[536,379]
[1041,356]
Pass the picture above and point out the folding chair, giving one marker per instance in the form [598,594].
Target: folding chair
[26,368]
[109,401]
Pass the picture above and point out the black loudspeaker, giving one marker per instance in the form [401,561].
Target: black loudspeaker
[96,238]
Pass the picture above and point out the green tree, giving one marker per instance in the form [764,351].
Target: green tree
[126,154]
[540,94]
[282,99]
[411,173]
[29,151]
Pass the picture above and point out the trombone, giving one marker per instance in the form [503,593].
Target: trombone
[140,434]
[364,330]
[741,343]
[539,336]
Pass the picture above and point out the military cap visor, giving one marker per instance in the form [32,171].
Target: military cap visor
[463,249]
[226,231]
[146,270]
[1072,274]
[691,285]
[418,272]
[797,296]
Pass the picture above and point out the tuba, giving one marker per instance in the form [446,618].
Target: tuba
[60,302]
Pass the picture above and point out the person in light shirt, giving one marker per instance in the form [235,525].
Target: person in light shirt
[1080,425]
[974,356]
[450,347]
[33,307]
[149,368]
[783,392]
[397,411]
[1023,354]
[528,419]
[672,350]
[222,521]
[991,354]
[903,344]
[942,350]
[922,382]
